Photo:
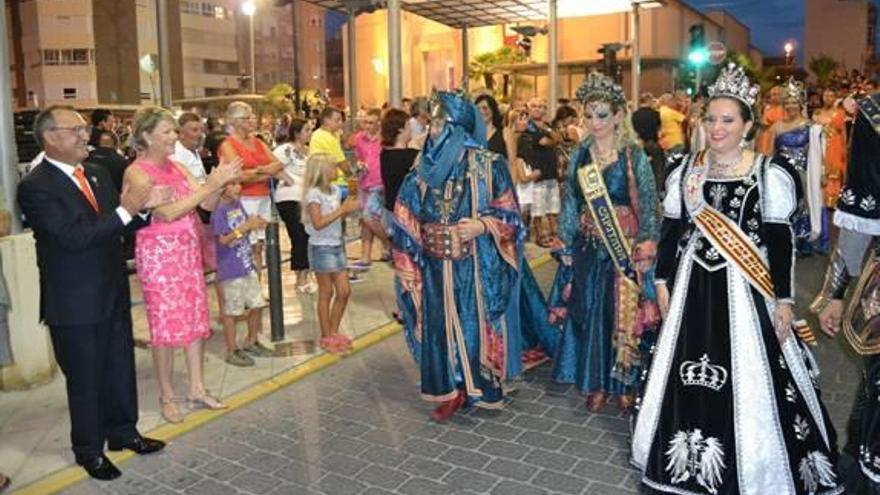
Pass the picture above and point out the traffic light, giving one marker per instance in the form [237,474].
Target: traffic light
[698,55]
[609,60]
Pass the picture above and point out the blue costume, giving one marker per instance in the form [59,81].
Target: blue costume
[460,299]
[602,340]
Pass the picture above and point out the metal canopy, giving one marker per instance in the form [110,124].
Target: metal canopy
[472,13]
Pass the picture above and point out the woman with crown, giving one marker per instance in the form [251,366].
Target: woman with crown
[607,232]
[730,405]
[797,140]
[458,247]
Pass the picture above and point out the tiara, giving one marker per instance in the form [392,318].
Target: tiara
[733,83]
[600,87]
[795,90]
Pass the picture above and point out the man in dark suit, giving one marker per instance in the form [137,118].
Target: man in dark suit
[78,219]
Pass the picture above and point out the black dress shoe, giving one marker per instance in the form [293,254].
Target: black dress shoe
[140,445]
[100,468]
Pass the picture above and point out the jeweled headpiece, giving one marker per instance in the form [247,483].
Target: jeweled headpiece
[599,87]
[794,90]
[732,82]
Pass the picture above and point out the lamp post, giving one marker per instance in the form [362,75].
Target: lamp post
[789,47]
[249,8]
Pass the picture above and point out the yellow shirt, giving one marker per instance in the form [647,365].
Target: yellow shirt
[671,131]
[326,142]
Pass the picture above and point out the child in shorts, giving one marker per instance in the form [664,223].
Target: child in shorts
[322,216]
[236,272]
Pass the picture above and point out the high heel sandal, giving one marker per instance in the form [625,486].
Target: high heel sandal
[169,410]
[205,401]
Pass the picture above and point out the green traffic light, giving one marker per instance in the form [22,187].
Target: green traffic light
[698,56]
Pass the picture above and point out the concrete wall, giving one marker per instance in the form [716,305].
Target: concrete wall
[842,36]
[116,52]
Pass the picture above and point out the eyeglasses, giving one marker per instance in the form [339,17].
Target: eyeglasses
[79,129]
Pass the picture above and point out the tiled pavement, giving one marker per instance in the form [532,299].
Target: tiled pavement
[359,428]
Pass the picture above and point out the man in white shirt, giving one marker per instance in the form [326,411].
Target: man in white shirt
[191,135]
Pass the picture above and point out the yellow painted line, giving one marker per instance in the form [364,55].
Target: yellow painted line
[66,477]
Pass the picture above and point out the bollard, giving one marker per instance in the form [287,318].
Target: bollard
[273,270]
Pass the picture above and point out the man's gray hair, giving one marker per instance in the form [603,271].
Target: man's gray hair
[45,121]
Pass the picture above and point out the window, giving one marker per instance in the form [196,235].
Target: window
[221,12]
[207,9]
[69,93]
[51,57]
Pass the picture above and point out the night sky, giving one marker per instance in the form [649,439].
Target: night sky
[772,22]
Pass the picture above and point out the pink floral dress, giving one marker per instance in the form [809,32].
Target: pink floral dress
[169,265]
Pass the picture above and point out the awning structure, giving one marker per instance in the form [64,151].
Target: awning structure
[475,13]
[464,14]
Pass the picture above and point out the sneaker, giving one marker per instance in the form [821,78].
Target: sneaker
[239,358]
[354,279]
[258,350]
[360,266]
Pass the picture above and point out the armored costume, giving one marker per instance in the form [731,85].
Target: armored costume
[858,217]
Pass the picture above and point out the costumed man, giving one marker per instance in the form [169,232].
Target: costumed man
[458,252]
[858,217]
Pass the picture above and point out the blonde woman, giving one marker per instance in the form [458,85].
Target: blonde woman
[169,258]
[600,350]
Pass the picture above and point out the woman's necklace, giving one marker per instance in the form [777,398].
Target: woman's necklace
[603,158]
[724,168]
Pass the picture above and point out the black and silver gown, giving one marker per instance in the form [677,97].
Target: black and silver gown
[726,409]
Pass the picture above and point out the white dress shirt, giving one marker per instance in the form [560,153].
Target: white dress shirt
[191,160]
[68,170]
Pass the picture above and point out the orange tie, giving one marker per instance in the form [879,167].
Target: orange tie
[84,187]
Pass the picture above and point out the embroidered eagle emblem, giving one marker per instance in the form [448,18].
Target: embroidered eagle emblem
[690,455]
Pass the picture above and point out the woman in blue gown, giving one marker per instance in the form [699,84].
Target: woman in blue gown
[798,141]
[608,230]
[458,239]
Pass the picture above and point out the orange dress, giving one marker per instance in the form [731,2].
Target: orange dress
[834,172]
[772,115]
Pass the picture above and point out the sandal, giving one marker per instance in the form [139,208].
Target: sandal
[5,481]
[205,401]
[596,401]
[169,411]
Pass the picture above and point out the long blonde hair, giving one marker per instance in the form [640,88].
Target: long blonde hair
[314,178]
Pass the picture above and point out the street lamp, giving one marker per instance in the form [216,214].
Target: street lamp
[249,8]
[789,47]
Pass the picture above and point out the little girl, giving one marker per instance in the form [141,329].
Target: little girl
[322,217]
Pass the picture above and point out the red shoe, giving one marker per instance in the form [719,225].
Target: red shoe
[448,408]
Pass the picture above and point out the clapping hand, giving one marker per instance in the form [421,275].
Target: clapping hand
[135,198]
[159,195]
[224,173]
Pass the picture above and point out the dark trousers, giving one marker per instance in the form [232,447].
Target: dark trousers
[291,212]
[98,366]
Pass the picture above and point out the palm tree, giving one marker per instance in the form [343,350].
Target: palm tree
[823,68]
[485,65]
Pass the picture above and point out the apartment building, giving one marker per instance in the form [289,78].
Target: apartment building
[82,52]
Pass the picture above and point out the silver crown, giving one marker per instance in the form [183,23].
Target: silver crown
[733,82]
[795,90]
[703,374]
[599,87]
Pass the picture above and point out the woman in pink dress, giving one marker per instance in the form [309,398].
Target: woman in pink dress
[169,257]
